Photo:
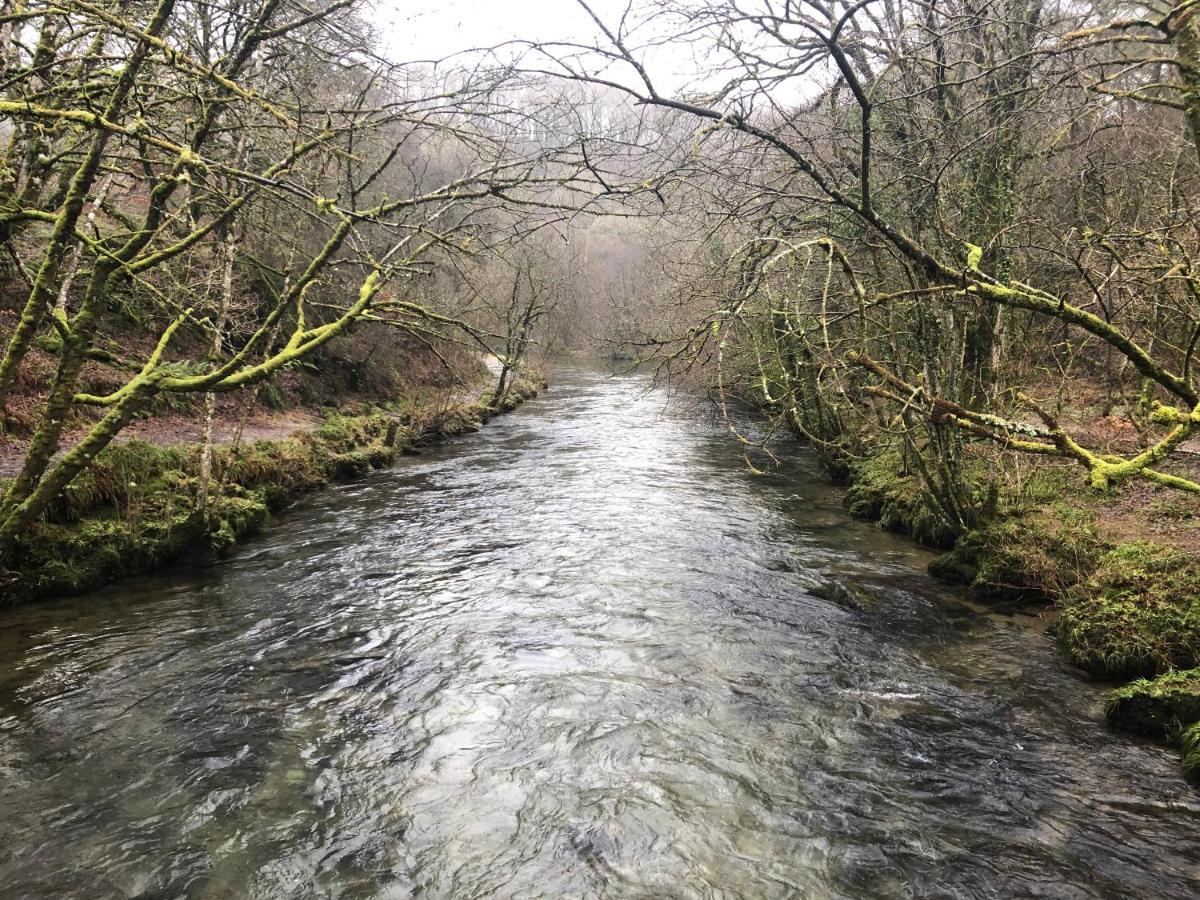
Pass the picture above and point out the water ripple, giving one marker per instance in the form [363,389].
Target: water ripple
[575,655]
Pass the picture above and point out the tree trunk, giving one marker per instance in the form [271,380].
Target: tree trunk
[229,248]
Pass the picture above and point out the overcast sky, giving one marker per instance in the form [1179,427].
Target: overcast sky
[433,28]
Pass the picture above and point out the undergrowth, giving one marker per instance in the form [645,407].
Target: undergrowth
[1033,557]
[1137,614]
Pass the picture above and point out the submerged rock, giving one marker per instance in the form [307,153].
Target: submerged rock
[593,845]
[844,593]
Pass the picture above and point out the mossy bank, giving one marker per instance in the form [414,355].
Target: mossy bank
[137,508]
[1129,607]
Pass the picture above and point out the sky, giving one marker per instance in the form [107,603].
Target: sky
[411,30]
[432,28]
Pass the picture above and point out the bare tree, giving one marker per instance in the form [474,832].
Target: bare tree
[221,128]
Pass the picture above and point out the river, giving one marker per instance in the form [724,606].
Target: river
[575,655]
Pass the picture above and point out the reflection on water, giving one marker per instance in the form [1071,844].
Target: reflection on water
[576,655]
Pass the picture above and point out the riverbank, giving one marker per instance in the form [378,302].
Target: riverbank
[136,509]
[1121,573]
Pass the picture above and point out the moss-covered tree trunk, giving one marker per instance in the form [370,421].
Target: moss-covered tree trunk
[58,405]
[1185,34]
[46,282]
[19,515]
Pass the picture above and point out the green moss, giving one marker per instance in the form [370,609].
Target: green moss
[1138,614]
[880,490]
[875,482]
[1189,745]
[78,557]
[1030,558]
[1159,707]
[234,518]
[356,463]
[1166,707]
[134,509]
[293,464]
[343,433]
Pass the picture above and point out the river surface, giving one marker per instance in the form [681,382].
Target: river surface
[575,655]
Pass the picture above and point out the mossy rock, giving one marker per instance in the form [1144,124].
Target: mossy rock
[356,463]
[349,465]
[1024,559]
[1138,614]
[380,455]
[957,566]
[457,420]
[845,594]
[1159,707]
[879,490]
[529,385]
[342,433]
[234,518]
[272,496]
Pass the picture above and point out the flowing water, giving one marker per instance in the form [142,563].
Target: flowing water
[575,655]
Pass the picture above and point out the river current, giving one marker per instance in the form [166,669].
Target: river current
[583,653]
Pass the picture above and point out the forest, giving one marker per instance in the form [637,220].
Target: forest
[946,253]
